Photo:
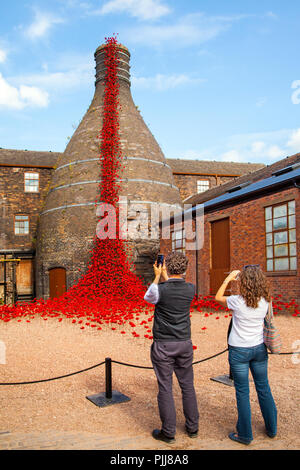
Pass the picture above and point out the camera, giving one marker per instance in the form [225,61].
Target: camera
[160,259]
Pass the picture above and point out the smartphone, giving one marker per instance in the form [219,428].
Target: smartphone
[160,259]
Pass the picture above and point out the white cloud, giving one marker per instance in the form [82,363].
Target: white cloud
[33,96]
[195,28]
[294,142]
[193,155]
[296,95]
[142,9]
[163,82]
[232,156]
[3,55]
[260,151]
[19,98]
[258,147]
[67,79]
[274,152]
[41,25]
[263,147]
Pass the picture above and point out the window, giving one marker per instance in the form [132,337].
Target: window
[31,182]
[178,240]
[21,224]
[280,223]
[202,185]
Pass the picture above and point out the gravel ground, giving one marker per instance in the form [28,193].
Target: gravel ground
[41,349]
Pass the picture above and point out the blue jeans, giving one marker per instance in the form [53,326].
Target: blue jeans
[255,358]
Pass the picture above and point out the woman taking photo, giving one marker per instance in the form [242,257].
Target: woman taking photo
[247,349]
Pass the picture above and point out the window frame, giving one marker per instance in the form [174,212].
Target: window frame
[28,219]
[38,182]
[182,248]
[202,181]
[286,229]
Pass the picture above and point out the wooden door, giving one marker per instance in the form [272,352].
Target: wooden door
[24,277]
[220,253]
[57,282]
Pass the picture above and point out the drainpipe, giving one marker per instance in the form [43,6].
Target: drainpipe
[197,280]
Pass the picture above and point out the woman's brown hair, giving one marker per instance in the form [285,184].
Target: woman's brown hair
[253,286]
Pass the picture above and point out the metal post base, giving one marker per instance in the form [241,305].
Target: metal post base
[226,380]
[223,379]
[101,400]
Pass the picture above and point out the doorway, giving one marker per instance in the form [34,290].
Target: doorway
[220,253]
[24,277]
[57,282]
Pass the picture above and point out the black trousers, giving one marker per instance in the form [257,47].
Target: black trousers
[168,357]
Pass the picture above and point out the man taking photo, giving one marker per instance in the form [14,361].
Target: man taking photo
[172,349]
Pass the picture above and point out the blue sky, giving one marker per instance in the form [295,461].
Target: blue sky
[214,79]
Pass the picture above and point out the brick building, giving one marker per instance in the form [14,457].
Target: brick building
[197,176]
[254,219]
[24,180]
[47,212]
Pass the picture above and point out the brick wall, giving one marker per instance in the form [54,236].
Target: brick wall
[187,184]
[247,243]
[14,200]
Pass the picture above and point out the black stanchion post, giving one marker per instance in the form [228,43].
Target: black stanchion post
[109,397]
[225,379]
[108,378]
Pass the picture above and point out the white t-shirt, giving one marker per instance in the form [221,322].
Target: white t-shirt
[247,322]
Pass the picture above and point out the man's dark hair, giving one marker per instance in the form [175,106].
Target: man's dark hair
[176,262]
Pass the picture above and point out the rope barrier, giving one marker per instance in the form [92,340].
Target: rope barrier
[211,357]
[117,362]
[131,365]
[54,378]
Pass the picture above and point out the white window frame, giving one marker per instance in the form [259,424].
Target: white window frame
[30,180]
[281,226]
[21,226]
[204,184]
[178,236]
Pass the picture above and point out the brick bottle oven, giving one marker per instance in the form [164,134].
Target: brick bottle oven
[68,220]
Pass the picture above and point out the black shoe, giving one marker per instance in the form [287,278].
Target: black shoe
[160,436]
[192,434]
[235,437]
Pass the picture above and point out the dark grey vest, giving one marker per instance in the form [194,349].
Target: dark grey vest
[172,311]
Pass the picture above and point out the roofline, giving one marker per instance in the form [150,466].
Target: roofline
[204,174]
[216,175]
[214,161]
[288,180]
[17,250]
[22,165]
